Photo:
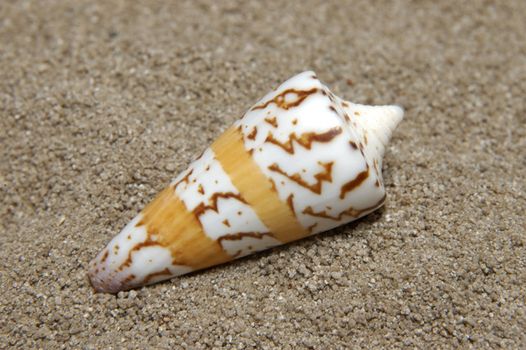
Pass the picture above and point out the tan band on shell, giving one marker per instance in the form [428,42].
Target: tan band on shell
[255,187]
[179,230]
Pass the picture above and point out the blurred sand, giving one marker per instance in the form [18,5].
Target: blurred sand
[102,103]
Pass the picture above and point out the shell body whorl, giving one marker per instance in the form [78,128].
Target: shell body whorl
[299,162]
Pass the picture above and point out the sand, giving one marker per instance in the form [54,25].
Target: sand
[103,103]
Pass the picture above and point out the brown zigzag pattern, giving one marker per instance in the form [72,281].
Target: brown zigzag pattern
[326,175]
[241,235]
[279,100]
[306,139]
[357,181]
[347,212]
[201,208]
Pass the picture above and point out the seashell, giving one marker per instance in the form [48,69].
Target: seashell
[299,162]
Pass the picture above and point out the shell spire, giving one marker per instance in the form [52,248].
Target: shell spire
[376,127]
[299,162]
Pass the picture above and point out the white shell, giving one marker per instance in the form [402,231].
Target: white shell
[299,162]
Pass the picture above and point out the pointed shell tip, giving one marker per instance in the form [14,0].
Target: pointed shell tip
[398,115]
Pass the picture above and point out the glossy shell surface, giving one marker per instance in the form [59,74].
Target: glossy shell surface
[299,162]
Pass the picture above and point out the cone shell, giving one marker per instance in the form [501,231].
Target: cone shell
[299,162]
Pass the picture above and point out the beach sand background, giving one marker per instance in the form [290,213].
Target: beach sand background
[102,103]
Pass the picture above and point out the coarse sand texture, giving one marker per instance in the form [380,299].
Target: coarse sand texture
[102,103]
